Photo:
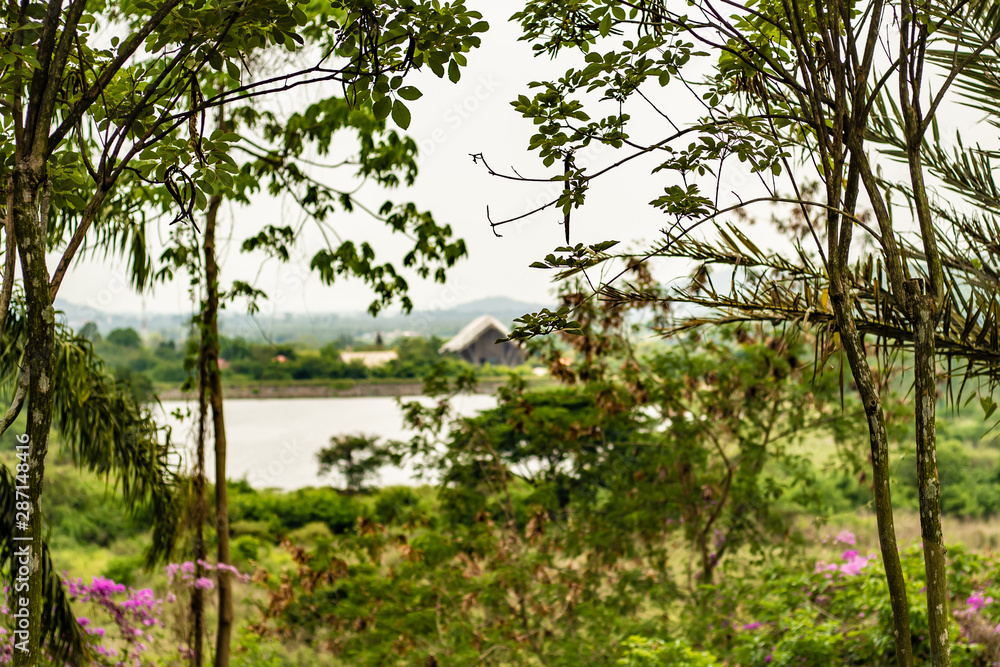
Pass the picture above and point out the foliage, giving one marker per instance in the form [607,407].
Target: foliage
[794,92]
[642,652]
[140,365]
[778,612]
[561,511]
[287,511]
[104,112]
[356,458]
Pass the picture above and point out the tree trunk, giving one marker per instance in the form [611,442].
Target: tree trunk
[935,565]
[210,332]
[26,572]
[879,442]
[199,512]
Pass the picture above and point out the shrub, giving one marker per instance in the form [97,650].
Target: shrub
[123,569]
[396,505]
[245,548]
[642,652]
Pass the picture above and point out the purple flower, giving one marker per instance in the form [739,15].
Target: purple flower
[752,626]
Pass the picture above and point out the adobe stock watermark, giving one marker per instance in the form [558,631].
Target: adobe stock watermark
[458,114]
[103,298]
[267,474]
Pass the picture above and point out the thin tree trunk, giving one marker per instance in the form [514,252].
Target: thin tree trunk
[935,565]
[879,442]
[199,511]
[857,360]
[210,332]
[26,570]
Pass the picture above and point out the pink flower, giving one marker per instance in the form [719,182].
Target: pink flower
[976,601]
[845,537]
[854,564]
[752,626]
[204,583]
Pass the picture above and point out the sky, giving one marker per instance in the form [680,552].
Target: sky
[450,122]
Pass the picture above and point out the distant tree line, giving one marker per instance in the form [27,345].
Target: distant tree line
[143,364]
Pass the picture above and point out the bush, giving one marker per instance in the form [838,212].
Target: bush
[642,652]
[260,530]
[85,510]
[253,651]
[122,570]
[244,548]
[396,505]
[311,534]
[284,512]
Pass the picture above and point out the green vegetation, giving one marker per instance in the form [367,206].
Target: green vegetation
[690,505]
[166,364]
[402,574]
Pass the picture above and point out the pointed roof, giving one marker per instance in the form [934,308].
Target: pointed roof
[471,332]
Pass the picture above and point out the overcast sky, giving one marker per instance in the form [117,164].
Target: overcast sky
[449,122]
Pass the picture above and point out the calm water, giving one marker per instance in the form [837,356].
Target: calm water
[273,442]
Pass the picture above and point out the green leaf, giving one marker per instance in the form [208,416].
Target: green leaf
[382,107]
[409,93]
[400,114]
[453,72]
[989,405]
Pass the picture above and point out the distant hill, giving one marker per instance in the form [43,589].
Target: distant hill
[316,327]
[494,305]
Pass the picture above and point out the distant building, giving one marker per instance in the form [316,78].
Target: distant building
[476,343]
[369,359]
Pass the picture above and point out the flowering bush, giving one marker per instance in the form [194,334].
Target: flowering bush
[788,614]
[133,612]
[181,579]
[122,621]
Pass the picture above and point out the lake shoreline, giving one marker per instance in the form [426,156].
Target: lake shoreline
[339,390]
[274,444]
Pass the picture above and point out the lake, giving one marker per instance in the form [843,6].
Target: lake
[273,442]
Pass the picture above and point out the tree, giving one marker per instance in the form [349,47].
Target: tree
[797,92]
[85,125]
[125,338]
[105,430]
[356,457]
[563,515]
[381,156]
